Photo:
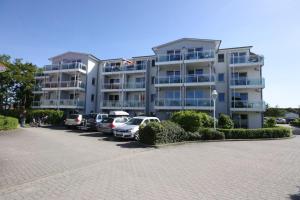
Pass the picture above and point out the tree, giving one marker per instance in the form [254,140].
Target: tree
[16,83]
[275,112]
[225,122]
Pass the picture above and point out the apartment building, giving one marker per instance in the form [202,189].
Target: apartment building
[181,75]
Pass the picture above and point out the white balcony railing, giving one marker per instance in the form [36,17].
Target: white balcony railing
[135,85]
[121,68]
[248,105]
[196,55]
[187,102]
[168,79]
[65,66]
[252,59]
[133,103]
[58,103]
[111,103]
[64,84]
[193,78]
[112,86]
[247,82]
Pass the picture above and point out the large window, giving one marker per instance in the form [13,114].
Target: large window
[172,94]
[194,94]
[238,57]
[221,97]
[220,58]
[221,77]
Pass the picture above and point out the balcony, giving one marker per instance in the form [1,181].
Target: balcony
[65,67]
[189,80]
[251,106]
[128,104]
[246,61]
[37,89]
[135,86]
[242,83]
[187,103]
[64,85]
[40,75]
[167,81]
[136,68]
[54,103]
[112,104]
[111,87]
[199,79]
[200,56]
[190,57]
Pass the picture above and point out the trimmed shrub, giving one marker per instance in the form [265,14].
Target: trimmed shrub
[158,133]
[191,121]
[296,122]
[7,123]
[225,122]
[270,122]
[54,117]
[276,132]
[148,133]
[211,134]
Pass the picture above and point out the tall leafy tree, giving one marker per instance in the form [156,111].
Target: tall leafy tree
[16,83]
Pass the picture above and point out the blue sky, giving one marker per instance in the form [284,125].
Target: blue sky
[38,29]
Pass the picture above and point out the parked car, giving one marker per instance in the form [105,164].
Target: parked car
[74,120]
[131,128]
[108,124]
[94,119]
[281,121]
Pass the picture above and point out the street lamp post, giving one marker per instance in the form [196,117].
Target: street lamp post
[214,96]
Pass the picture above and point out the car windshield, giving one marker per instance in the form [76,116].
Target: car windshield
[134,121]
[73,116]
[108,120]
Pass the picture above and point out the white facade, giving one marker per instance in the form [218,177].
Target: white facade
[180,75]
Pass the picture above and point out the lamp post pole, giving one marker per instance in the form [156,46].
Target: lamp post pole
[214,95]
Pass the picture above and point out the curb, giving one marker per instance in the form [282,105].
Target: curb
[207,141]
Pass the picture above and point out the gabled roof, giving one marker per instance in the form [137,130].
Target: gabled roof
[218,42]
[73,52]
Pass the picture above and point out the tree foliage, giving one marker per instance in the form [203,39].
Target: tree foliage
[16,83]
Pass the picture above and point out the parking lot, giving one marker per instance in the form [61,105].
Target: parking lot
[49,163]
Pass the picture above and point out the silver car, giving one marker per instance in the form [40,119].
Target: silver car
[108,124]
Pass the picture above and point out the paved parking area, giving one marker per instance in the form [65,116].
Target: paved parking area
[43,163]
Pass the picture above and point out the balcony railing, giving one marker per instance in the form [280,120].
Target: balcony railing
[196,55]
[201,102]
[64,66]
[257,105]
[65,84]
[58,103]
[252,59]
[135,85]
[135,67]
[112,86]
[129,103]
[168,102]
[195,78]
[247,82]
[168,79]
[37,88]
[111,103]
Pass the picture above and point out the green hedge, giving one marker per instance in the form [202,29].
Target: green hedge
[54,117]
[225,122]
[296,122]
[7,123]
[270,123]
[276,132]
[191,120]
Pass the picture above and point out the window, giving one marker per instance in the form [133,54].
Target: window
[220,58]
[172,94]
[93,81]
[71,96]
[221,77]
[153,63]
[92,97]
[221,97]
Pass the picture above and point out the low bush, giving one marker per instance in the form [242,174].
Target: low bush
[7,123]
[211,134]
[225,122]
[270,123]
[54,117]
[296,122]
[276,132]
[191,121]
[158,133]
